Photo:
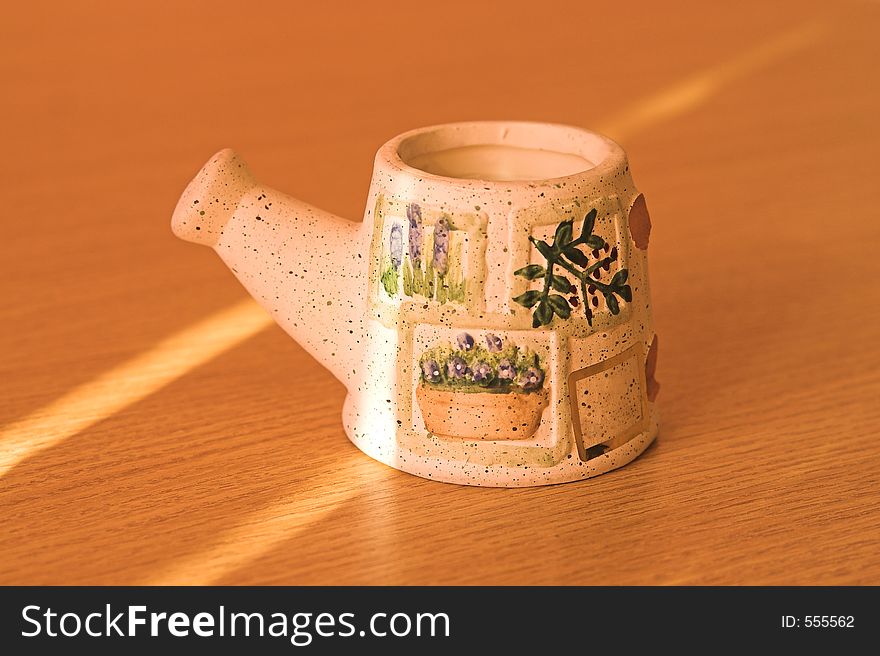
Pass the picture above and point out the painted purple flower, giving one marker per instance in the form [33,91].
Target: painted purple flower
[482,373]
[441,246]
[493,342]
[414,215]
[506,370]
[431,371]
[457,368]
[531,379]
[396,245]
[464,341]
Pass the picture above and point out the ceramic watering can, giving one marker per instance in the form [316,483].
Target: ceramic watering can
[490,317]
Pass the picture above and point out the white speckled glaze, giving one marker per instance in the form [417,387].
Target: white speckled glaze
[448,376]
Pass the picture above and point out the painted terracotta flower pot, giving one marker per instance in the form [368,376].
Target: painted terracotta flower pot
[490,317]
[481,415]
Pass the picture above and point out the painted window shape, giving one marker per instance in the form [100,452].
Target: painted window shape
[609,405]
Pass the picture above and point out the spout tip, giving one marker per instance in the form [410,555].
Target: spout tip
[211,198]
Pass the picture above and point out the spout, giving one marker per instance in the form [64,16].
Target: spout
[304,266]
[210,199]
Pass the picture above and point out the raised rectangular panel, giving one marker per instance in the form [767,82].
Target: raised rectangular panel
[413,263]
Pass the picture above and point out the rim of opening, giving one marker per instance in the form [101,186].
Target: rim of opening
[597,150]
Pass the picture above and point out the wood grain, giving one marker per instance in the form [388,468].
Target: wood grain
[752,132]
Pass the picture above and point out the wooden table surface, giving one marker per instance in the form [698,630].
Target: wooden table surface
[156,428]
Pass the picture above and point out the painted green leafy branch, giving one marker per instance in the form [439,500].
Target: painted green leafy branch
[565,253]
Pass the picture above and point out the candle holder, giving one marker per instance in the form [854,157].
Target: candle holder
[491,316]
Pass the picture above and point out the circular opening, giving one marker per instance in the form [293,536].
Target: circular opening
[503,152]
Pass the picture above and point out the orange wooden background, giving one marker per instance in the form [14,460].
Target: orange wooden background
[151,434]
